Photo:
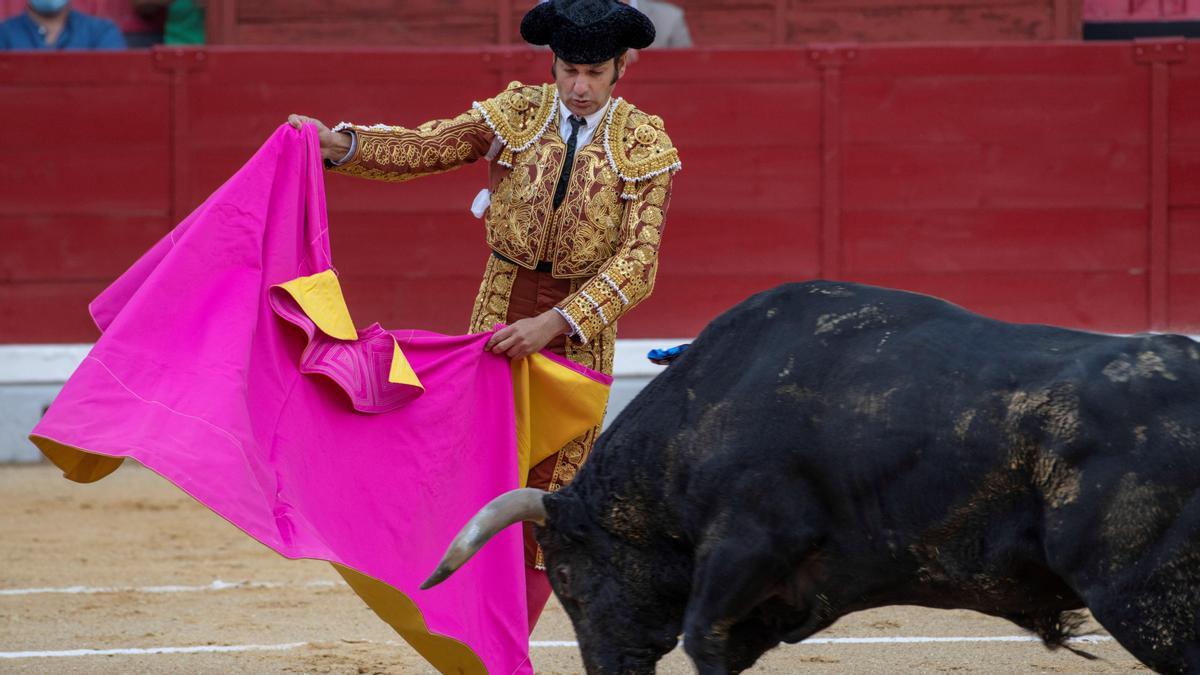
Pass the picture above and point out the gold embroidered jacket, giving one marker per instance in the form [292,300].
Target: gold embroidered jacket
[608,227]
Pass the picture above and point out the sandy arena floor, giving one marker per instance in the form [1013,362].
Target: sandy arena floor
[133,530]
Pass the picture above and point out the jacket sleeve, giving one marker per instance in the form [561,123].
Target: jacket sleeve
[391,153]
[628,277]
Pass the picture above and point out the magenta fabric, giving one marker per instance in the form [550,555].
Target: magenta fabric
[294,437]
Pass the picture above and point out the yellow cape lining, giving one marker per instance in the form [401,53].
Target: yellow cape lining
[320,298]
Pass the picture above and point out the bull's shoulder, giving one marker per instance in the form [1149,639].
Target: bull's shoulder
[1146,361]
[839,308]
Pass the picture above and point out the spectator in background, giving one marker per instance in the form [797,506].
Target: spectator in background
[52,24]
[184,19]
[670,29]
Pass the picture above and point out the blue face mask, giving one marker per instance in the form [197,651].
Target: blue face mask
[48,6]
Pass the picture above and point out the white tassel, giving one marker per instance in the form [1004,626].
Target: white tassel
[595,305]
[616,289]
[481,203]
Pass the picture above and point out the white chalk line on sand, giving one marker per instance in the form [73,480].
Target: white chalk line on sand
[1087,639]
[198,649]
[216,585]
[535,644]
[1090,639]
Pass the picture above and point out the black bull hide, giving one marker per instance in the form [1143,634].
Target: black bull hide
[824,448]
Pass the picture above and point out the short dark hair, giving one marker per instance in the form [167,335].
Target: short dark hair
[616,67]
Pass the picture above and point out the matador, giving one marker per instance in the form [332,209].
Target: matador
[578,188]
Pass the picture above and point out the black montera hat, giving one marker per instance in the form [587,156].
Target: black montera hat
[587,31]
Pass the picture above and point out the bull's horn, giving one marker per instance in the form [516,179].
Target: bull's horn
[508,508]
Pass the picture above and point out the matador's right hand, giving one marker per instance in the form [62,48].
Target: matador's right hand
[333,146]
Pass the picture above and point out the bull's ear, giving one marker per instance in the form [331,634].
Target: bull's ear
[566,515]
[562,580]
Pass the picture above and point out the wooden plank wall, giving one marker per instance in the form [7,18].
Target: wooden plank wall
[1141,10]
[1024,170]
[1181,99]
[713,23]
[85,187]
[1051,183]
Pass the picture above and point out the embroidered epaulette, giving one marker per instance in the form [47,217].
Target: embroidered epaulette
[519,116]
[637,146]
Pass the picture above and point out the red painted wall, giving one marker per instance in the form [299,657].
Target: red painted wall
[1141,10]
[712,23]
[1054,183]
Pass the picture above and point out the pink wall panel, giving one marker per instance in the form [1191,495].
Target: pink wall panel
[48,311]
[969,241]
[1185,243]
[80,246]
[983,175]
[1108,301]
[1185,95]
[672,310]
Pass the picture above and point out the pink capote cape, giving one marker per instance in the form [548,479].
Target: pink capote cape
[229,365]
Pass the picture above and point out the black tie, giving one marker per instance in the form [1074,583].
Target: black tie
[561,191]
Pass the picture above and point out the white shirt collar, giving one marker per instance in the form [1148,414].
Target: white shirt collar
[592,120]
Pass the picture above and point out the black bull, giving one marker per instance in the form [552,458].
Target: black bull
[825,448]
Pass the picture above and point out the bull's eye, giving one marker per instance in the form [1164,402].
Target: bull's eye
[562,579]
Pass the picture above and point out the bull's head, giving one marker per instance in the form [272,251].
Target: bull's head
[625,609]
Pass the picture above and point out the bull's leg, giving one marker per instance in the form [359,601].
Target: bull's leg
[751,638]
[748,640]
[1157,624]
[732,578]
[1148,596]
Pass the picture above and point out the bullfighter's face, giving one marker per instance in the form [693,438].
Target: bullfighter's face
[625,617]
[585,88]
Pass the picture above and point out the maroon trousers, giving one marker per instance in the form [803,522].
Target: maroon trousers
[533,293]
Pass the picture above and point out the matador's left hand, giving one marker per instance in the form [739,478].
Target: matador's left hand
[527,336]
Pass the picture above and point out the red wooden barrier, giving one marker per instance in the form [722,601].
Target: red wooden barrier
[1141,10]
[1055,183]
[712,23]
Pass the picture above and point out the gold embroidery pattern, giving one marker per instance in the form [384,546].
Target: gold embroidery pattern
[522,205]
[589,227]
[589,220]
[631,271]
[656,196]
[491,303]
[519,115]
[597,354]
[638,145]
[399,154]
